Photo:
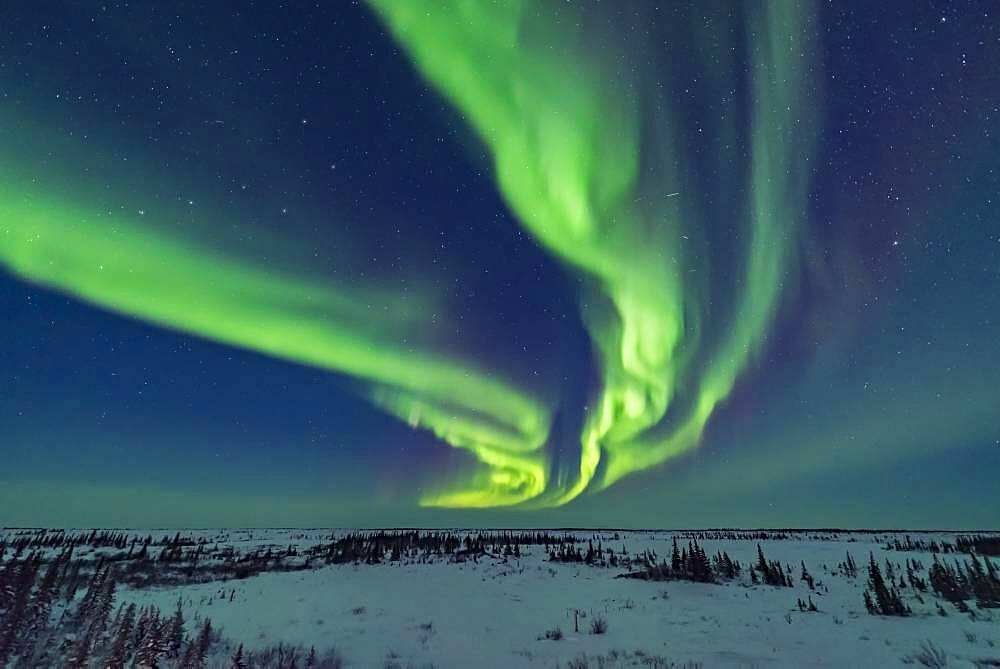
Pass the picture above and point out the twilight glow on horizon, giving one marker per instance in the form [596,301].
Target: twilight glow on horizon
[524,263]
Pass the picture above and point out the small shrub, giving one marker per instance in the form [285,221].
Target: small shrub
[931,656]
[554,634]
[280,655]
[598,625]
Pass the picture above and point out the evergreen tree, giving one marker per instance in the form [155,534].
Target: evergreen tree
[19,583]
[850,567]
[151,645]
[807,577]
[190,658]
[944,580]
[762,566]
[984,584]
[203,643]
[121,646]
[96,621]
[71,581]
[174,632]
[887,600]
[237,661]
[36,619]
[771,573]
[916,582]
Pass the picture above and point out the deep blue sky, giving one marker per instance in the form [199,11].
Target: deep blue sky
[874,402]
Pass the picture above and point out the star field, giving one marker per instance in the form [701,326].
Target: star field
[530,263]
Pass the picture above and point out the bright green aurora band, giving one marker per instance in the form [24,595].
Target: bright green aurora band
[587,153]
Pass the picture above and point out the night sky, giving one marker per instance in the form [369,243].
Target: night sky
[458,262]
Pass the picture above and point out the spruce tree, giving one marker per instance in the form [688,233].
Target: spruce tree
[983,585]
[151,645]
[95,619]
[237,661]
[36,619]
[762,566]
[121,646]
[174,632]
[20,584]
[203,643]
[887,601]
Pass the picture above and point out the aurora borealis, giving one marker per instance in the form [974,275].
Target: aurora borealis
[515,262]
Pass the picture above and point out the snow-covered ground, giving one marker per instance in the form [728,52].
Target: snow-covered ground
[495,612]
[492,612]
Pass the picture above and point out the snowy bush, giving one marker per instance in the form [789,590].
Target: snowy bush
[930,655]
[598,625]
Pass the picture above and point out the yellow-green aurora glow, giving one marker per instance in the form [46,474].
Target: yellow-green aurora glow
[111,260]
[565,132]
[586,169]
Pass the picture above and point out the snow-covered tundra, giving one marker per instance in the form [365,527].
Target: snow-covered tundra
[465,599]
